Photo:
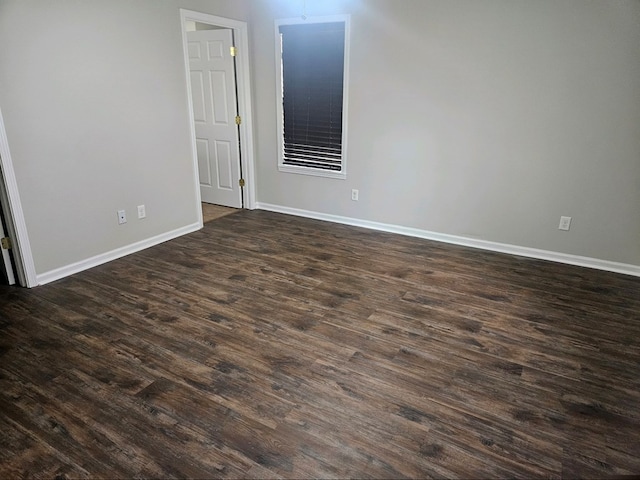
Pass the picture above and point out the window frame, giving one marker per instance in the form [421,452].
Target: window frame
[300,169]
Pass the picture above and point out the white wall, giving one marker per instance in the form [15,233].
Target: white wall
[94,101]
[483,118]
[487,119]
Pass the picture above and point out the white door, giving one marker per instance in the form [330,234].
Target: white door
[6,265]
[213,93]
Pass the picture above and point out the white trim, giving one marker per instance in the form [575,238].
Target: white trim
[15,223]
[243,82]
[282,167]
[316,172]
[580,261]
[76,267]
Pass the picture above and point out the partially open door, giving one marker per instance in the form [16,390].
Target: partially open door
[19,255]
[213,95]
[7,269]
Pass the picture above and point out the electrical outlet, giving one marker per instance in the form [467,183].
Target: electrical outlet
[354,195]
[122,217]
[141,211]
[565,223]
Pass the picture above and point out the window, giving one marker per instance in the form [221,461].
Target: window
[312,77]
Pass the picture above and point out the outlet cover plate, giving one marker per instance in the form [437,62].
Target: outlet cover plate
[565,223]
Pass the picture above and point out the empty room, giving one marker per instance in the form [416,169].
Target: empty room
[320,239]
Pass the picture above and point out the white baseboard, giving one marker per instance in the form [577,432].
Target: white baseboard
[588,262]
[67,270]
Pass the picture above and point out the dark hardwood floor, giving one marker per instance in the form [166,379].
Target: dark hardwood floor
[271,346]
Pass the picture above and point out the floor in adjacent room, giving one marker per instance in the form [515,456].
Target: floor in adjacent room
[212,212]
[267,346]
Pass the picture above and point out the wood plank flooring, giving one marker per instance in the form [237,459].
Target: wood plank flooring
[212,212]
[270,346]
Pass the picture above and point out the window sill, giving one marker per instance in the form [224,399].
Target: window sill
[317,172]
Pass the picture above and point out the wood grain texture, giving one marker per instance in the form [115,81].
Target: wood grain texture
[270,346]
[212,212]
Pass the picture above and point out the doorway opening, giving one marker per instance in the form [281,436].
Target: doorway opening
[8,270]
[19,259]
[219,99]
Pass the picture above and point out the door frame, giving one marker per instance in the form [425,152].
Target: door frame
[243,84]
[14,216]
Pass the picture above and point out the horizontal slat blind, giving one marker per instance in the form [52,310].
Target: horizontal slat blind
[312,78]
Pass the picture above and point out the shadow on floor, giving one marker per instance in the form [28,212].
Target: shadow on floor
[211,212]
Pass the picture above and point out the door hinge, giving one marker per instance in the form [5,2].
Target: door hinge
[241,182]
[6,243]
[233,51]
[238,120]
